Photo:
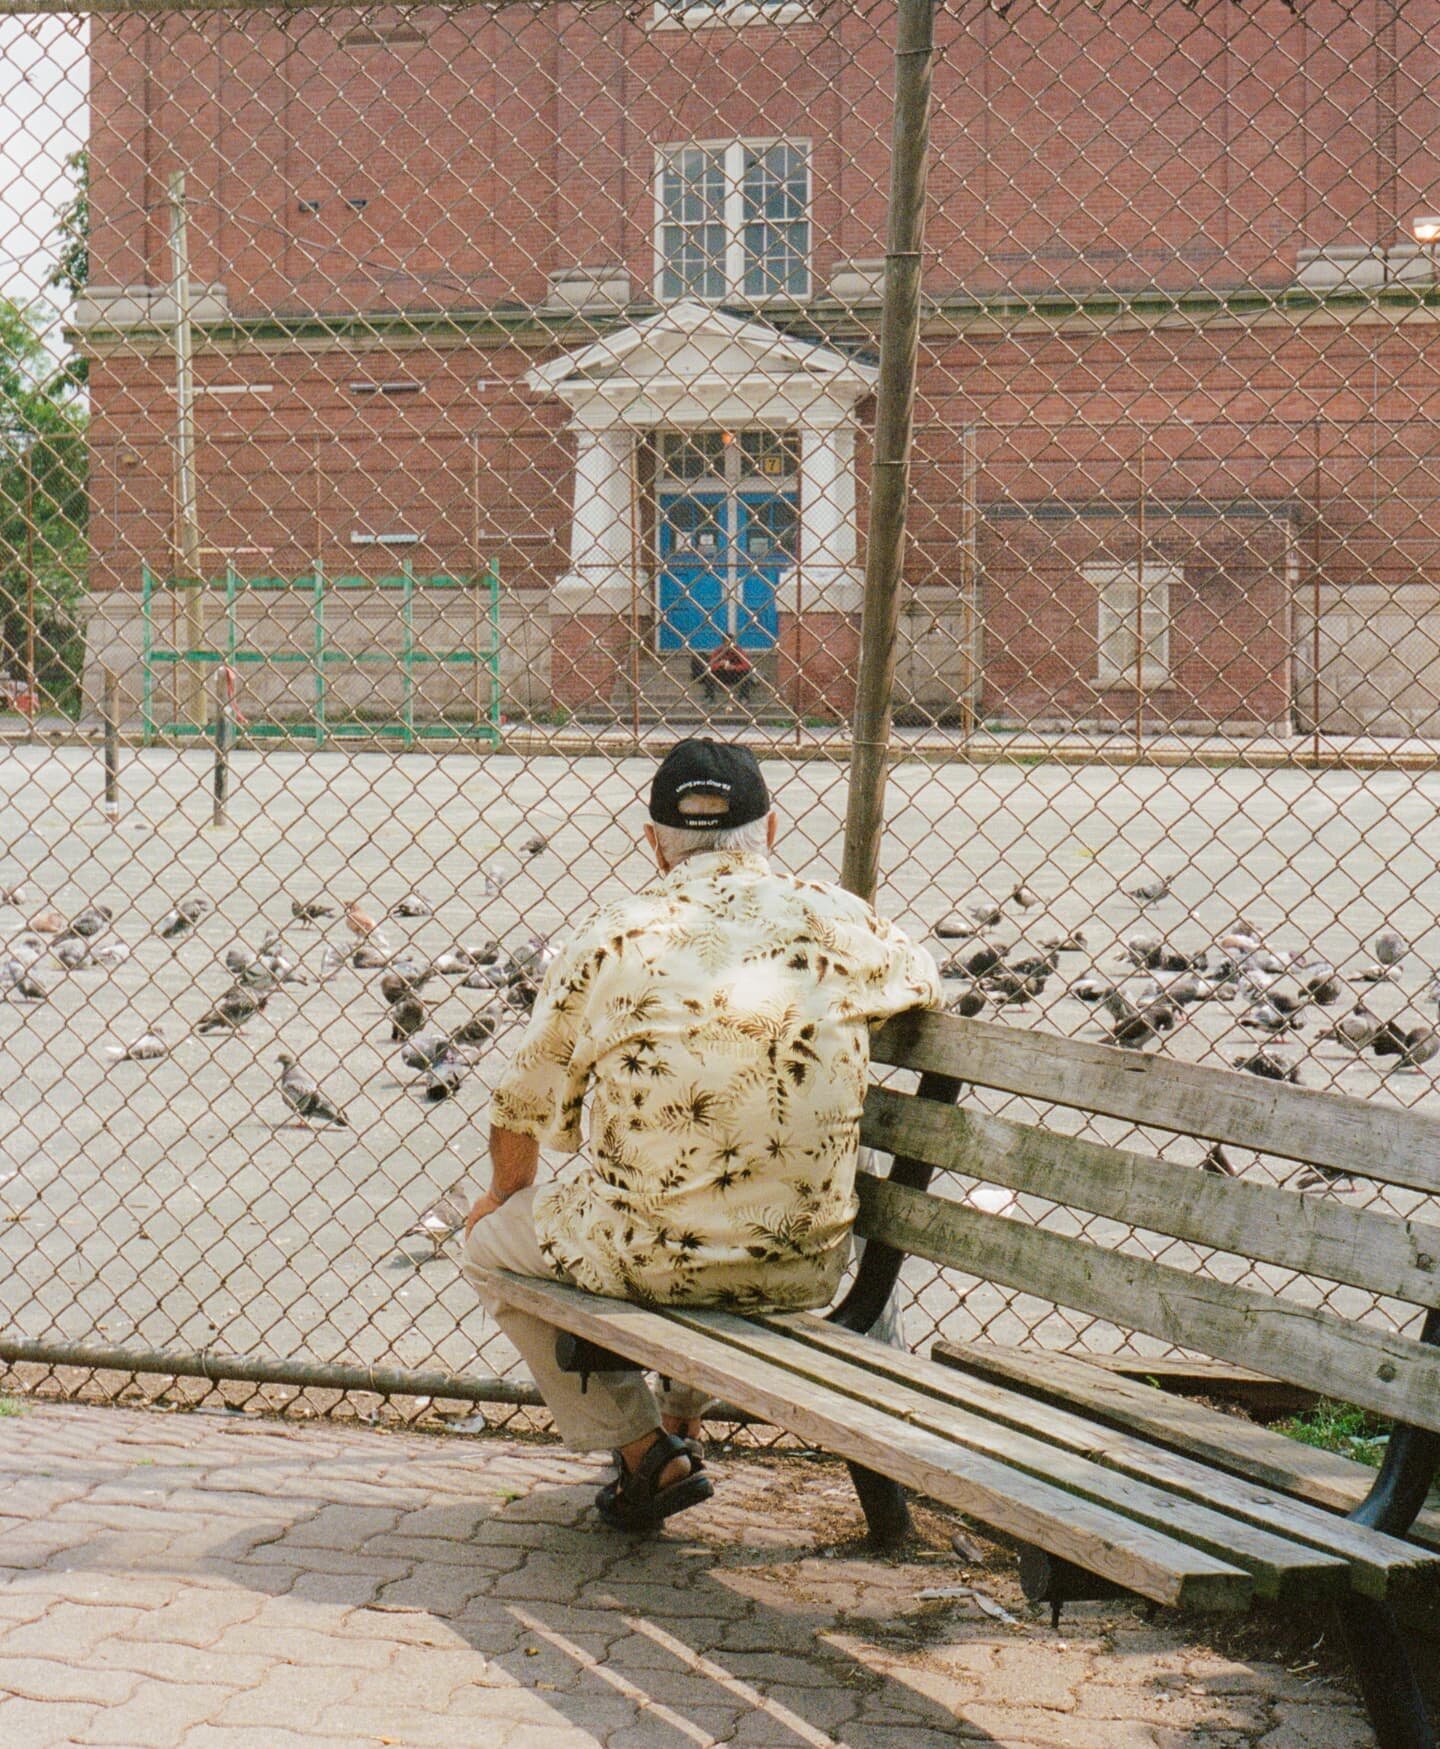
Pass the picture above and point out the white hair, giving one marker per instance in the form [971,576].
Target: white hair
[678,842]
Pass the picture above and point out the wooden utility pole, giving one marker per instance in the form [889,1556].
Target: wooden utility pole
[187,517]
[894,419]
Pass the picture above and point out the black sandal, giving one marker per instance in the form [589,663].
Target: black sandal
[635,1502]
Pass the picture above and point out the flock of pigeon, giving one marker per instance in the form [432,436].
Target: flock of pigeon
[1155,985]
[260,975]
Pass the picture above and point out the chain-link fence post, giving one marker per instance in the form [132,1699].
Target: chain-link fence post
[894,420]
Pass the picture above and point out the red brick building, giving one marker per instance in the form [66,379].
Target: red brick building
[595,295]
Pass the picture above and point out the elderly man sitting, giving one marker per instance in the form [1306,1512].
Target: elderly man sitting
[719,1021]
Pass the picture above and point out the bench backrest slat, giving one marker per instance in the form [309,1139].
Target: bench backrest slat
[1321,1129]
[1311,1235]
[1393,1375]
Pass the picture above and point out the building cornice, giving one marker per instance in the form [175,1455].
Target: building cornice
[945,316]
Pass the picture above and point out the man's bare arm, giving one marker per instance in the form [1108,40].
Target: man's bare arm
[514,1160]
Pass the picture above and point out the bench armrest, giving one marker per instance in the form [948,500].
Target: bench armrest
[1411,1458]
[880,1265]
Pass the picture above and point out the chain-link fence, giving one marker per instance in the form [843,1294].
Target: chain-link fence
[411,418]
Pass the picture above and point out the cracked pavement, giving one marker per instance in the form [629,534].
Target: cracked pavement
[220,1581]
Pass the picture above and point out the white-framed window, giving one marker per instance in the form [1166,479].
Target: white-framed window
[733,221]
[1132,602]
[695,14]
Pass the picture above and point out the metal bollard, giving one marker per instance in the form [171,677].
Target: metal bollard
[222,753]
[110,723]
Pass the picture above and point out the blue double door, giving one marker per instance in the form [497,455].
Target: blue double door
[722,550]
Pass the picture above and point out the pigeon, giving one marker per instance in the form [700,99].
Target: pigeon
[273,959]
[981,961]
[1390,948]
[1267,1017]
[369,958]
[17,980]
[535,846]
[183,918]
[47,922]
[29,947]
[423,1049]
[303,1097]
[478,1030]
[1132,1032]
[1412,1046]
[442,1081]
[1091,989]
[331,960]
[1013,988]
[239,958]
[954,928]
[984,911]
[968,1003]
[453,963]
[1356,1029]
[1186,990]
[92,920]
[15,895]
[412,905]
[528,964]
[72,952]
[1022,896]
[1151,890]
[310,910]
[1268,1066]
[1074,942]
[406,1017]
[485,978]
[146,1048]
[1143,948]
[110,954]
[487,954]
[1376,974]
[439,1223]
[361,925]
[1035,966]
[233,1009]
[1422,1045]
[399,981]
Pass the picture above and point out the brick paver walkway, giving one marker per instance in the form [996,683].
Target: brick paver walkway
[223,1582]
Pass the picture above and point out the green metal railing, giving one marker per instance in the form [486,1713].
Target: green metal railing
[321,658]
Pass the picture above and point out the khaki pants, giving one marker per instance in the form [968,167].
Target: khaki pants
[615,1407]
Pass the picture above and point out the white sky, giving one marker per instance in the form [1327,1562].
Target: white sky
[44,116]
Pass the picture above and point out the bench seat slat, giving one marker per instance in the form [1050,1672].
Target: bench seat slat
[1105,1542]
[1312,1235]
[1309,1346]
[1226,1441]
[1391,1145]
[1380,1565]
[1284,1567]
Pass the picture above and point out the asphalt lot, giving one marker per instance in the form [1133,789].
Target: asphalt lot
[161,1205]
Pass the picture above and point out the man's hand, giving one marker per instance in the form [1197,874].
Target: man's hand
[484,1205]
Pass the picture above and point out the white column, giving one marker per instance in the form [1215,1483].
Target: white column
[601,534]
[826,580]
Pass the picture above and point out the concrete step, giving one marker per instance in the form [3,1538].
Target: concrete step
[669,692]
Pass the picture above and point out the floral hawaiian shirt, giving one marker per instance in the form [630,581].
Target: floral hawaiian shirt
[719,1021]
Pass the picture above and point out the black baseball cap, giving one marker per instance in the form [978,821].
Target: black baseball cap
[703,767]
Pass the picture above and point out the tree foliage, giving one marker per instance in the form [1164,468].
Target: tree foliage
[43,508]
[71,272]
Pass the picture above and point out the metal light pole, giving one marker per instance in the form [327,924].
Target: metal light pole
[187,518]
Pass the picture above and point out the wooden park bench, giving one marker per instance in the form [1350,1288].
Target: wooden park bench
[1108,1484]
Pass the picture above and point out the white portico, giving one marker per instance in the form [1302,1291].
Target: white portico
[757,430]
